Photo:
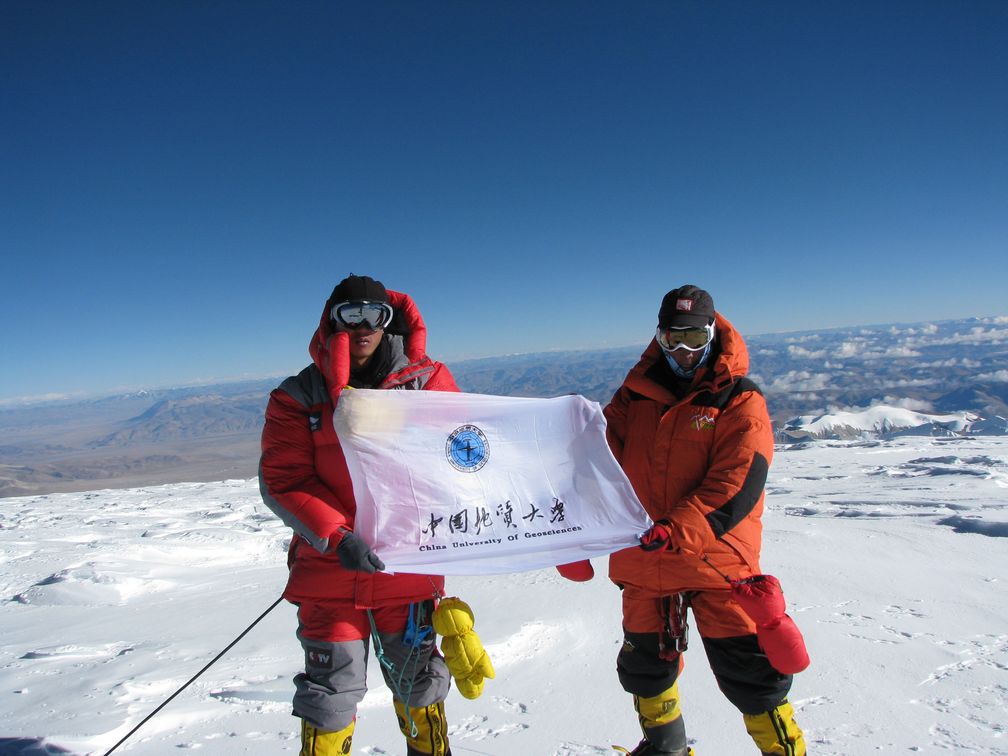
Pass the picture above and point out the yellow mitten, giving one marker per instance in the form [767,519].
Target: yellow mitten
[463,651]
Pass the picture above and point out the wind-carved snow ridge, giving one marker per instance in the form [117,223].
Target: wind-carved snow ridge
[88,585]
[885,547]
[963,491]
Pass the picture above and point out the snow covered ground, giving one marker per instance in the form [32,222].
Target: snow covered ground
[893,555]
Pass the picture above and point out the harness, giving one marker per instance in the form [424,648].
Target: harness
[674,637]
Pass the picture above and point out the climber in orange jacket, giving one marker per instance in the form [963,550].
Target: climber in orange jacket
[693,435]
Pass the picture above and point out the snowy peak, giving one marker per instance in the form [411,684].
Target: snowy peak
[882,421]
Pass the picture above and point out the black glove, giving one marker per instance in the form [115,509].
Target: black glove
[658,537]
[356,555]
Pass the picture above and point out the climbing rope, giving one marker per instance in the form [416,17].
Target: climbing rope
[194,677]
[416,633]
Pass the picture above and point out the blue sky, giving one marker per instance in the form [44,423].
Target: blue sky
[184,182]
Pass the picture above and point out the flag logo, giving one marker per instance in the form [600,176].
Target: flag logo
[467,449]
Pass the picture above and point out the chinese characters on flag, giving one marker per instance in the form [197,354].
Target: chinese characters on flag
[470,484]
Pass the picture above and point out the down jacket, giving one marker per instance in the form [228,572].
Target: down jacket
[699,461]
[303,474]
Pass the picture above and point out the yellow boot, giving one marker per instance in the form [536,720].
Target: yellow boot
[431,737]
[316,742]
[662,723]
[776,732]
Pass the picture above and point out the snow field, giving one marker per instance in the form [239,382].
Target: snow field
[892,555]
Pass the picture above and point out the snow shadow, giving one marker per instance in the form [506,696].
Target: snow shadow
[29,747]
[968,525]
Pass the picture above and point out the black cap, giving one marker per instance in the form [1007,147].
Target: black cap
[358,289]
[686,307]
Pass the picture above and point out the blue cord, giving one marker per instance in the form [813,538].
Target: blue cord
[412,637]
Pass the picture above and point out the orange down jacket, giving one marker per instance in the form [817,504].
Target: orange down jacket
[303,474]
[700,462]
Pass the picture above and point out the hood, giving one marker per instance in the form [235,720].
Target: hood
[330,349]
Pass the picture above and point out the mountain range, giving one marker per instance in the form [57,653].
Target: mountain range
[818,384]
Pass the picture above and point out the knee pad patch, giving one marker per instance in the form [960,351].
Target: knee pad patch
[639,668]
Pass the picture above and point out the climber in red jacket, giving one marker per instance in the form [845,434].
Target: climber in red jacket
[368,337]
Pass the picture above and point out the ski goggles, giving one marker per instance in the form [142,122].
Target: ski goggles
[691,339]
[364,314]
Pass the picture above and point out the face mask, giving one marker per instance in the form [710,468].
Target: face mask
[679,371]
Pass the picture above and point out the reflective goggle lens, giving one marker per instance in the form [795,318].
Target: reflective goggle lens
[373,315]
[685,338]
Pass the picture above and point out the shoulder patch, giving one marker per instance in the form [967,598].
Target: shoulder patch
[308,387]
[721,398]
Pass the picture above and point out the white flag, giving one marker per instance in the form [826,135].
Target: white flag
[471,484]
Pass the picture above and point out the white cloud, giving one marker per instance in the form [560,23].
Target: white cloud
[998,376]
[907,383]
[976,335]
[21,401]
[917,405]
[850,349]
[807,354]
[951,362]
[864,350]
[927,328]
[800,380]
[896,330]
[898,351]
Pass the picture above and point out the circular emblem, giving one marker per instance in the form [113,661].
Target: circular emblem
[467,449]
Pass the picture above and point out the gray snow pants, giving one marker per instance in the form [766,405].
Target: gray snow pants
[335,676]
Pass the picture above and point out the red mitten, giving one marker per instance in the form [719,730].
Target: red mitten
[763,600]
[579,572]
[784,646]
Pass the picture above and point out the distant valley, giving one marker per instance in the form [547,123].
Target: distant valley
[212,432]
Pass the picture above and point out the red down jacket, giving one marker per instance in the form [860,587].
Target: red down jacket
[303,475]
[700,462]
